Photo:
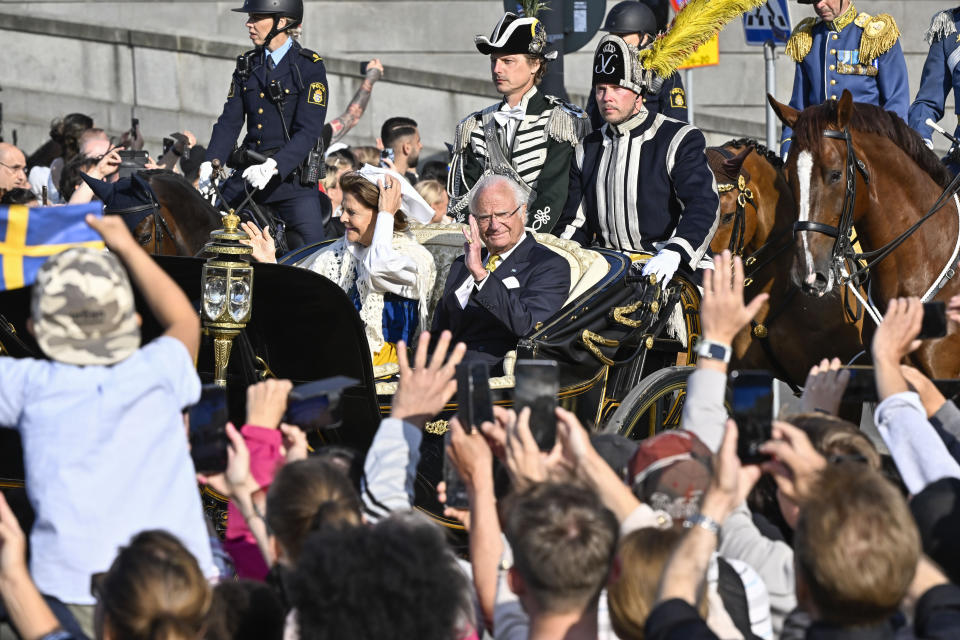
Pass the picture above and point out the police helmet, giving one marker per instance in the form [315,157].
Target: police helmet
[630,16]
[292,9]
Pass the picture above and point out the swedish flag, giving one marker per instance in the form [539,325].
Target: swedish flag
[30,235]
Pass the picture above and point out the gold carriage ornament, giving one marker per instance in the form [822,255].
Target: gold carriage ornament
[227,291]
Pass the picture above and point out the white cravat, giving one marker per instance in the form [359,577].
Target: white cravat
[509,118]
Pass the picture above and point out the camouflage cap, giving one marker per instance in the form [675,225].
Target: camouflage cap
[82,309]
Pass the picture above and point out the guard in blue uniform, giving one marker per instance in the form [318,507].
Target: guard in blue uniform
[845,49]
[280,90]
[635,23]
[940,75]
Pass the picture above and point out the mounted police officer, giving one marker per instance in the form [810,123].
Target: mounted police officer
[528,136]
[846,49]
[940,75]
[280,89]
[641,182]
[635,23]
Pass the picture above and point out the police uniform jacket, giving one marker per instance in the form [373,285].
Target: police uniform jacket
[857,52]
[303,85]
[940,74]
[643,185]
[529,286]
[540,154]
[671,101]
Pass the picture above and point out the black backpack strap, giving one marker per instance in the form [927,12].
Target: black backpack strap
[734,596]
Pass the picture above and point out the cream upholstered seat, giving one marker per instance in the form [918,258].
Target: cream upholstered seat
[445,243]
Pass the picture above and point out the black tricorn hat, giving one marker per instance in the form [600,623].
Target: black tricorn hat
[514,34]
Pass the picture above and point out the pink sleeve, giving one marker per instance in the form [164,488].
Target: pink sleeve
[265,455]
[265,459]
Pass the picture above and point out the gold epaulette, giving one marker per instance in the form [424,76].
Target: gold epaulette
[879,36]
[801,40]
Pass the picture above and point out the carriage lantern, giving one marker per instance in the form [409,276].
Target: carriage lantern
[227,291]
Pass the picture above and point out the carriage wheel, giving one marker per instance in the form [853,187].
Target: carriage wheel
[655,404]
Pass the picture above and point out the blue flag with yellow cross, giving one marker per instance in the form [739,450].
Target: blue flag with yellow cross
[30,235]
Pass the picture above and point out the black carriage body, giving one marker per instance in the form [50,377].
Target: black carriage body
[303,328]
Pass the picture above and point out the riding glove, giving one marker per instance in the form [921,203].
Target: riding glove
[259,175]
[663,265]
[205,185]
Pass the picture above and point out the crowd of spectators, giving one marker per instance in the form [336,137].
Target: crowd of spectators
[601,537]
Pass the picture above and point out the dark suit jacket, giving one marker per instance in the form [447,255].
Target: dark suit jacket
[496,316]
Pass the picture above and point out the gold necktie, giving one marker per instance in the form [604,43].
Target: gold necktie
[492,263]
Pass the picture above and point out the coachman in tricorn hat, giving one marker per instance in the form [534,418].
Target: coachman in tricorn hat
[527,136]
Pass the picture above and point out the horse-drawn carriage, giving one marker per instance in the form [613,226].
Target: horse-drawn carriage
[624,344]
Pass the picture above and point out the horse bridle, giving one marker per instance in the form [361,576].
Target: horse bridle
[842,247]
[744,196]
[133,216]
[843,250]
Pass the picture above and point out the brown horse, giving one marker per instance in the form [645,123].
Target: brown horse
[856,164]
[757,210]
[184,220]
[166,215]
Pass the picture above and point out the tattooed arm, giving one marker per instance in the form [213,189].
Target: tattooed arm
[354,112]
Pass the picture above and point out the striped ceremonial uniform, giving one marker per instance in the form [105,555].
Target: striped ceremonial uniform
[643,185]
[539,153]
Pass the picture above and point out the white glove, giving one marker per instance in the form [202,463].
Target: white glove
[663,265]
[205,185]
[259,175]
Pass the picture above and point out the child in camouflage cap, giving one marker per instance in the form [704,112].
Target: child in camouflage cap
[105,450]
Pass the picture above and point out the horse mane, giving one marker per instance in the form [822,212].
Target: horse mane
[762,150]
[868,118]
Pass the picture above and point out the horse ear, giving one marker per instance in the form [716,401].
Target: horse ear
[845,109]
[733,165]
[787,114]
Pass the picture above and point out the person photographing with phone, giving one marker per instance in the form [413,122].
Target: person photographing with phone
[280,90]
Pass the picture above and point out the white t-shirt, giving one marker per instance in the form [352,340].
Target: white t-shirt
[106,457]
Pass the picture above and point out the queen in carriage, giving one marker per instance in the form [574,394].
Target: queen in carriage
[385,271]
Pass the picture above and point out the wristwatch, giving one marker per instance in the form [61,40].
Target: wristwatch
[705,522]
[714,350]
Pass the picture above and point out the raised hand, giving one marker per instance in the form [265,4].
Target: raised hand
[723,312]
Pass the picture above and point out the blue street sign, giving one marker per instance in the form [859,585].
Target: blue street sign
[768,22]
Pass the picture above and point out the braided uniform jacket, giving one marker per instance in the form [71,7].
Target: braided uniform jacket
[643,185]
[540,154]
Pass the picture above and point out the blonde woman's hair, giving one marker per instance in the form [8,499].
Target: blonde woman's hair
[431,190]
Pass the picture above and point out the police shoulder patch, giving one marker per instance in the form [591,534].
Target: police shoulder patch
[230,93]
[678,99]
[317,94]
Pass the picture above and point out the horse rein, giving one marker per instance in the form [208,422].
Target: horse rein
[843,250]
[132,217]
